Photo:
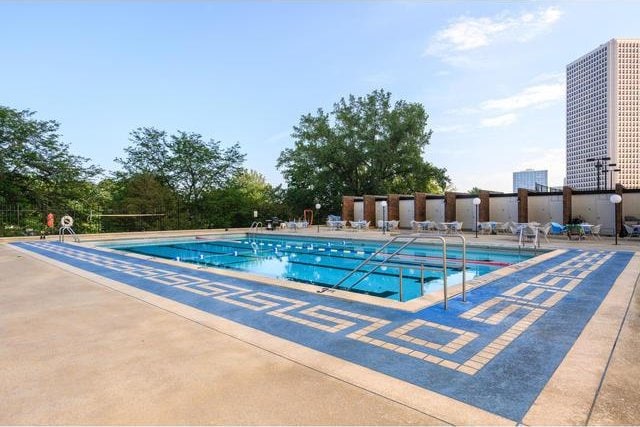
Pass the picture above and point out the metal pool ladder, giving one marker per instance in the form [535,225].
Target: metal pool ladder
[255,227]
[69,230]
[408,239]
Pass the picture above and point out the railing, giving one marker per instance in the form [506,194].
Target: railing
[72,233]
[532,236]
[410,238]
[255,227]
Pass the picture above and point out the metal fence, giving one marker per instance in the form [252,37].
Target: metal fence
[26,220]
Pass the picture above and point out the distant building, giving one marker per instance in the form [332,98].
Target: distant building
[529,179]
[603,116]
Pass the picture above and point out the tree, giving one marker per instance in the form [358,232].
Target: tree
[475,190]
[182,168]
[147,154]
[197,166]
[364,146]
[36,168]
[233,205]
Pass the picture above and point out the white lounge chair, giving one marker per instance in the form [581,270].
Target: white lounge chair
[529,234]
[486,228]
[544,230]
[631,231]
[595,231]
[503,227]
[456,227]
[441,228]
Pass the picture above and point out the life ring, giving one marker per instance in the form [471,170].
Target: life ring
[66,221]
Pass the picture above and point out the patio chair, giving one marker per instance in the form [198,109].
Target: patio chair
[514,229]
[486,228]
[441,228]
[529,234]
[456,227]
[503,227]
[631,231]
[544,230]
[595,231]
[430,226]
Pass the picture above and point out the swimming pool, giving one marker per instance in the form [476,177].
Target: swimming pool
[326,262]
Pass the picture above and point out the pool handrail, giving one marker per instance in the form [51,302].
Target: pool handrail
[255,226]
[412,239]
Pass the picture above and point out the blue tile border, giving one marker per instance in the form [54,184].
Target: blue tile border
[496,351]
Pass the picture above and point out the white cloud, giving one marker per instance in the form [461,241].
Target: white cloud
[499,121]
[467,33]
[532,96]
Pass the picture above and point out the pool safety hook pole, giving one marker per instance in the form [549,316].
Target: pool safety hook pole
[444,272]
[421,279]
[400,278]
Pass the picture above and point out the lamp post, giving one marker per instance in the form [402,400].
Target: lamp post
[476,202]
[615,199]
[611,171]
[384,212]
[600,162]
[318,206]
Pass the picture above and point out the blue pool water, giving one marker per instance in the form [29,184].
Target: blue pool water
[325,262]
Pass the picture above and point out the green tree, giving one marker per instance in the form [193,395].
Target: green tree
[36,168]
[475,190]
[147,154]
[365,145]
[142,193]
[174,171]
[197,166]
[233,205]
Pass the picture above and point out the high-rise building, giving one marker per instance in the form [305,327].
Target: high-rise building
[603,113]
[529,179]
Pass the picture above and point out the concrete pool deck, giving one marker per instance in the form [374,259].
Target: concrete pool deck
[83,349]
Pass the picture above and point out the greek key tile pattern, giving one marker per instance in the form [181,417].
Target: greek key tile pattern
[507,315]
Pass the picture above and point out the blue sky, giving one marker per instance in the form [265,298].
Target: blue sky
[490,74]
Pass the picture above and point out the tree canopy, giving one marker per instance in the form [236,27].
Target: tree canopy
[365,145]
[35,165]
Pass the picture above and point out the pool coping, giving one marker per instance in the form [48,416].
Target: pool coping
[411,306]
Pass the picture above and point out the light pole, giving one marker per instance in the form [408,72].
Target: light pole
[384,216]
[615,199]
[476,202]
[611,171]
[600,162]
[318,206]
